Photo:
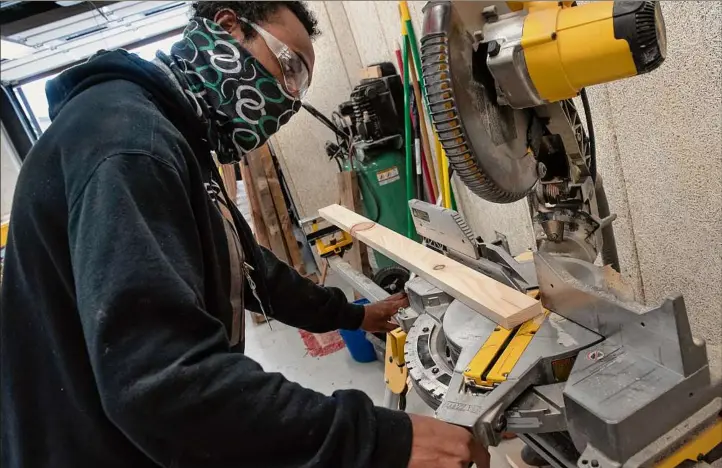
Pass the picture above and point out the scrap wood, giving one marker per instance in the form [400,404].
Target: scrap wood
[267,207]
[350,197]
[371,72]
[274,186]
[228,174]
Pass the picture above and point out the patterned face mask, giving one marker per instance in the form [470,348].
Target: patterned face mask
[241,102]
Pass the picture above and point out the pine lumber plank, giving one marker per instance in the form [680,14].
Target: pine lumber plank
[351,199]
[228,174]
[268,210]
[496,301]
[274,186]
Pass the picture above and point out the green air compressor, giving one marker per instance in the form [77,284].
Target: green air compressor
[375,117]
[369,140]
[382,182]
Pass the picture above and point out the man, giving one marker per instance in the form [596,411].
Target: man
[128,270]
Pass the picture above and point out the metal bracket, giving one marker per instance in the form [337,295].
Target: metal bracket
[357,280]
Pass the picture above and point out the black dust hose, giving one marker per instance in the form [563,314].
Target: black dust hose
[590,131]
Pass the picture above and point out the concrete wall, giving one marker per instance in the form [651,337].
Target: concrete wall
[9,169]
[659,141]
[660,146]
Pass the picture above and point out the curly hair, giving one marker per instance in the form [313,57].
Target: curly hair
[257,12]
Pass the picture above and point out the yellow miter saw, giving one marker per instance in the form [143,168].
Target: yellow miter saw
[598,380]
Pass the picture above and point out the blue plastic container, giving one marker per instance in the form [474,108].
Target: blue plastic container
[360,348]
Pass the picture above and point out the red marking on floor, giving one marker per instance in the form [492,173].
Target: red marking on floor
[321,344]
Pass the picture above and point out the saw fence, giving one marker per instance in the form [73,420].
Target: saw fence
[272,224]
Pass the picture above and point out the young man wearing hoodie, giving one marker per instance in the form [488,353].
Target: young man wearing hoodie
[128,271]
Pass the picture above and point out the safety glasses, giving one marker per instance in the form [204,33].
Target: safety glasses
[295,72]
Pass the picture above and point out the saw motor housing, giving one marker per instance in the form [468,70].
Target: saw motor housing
[547,51]
[500,78]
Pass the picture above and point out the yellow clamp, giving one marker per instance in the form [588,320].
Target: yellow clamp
[395,371]
[336,246]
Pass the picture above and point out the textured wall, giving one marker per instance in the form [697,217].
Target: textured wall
[9,170]
[659,141]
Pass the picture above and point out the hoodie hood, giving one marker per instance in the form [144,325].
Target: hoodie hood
[121,65]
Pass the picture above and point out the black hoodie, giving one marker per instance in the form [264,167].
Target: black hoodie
[116,302]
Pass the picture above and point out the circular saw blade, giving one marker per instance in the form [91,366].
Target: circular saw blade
[486,143]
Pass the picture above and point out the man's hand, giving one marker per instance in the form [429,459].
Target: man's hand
[377,316]
[437,444]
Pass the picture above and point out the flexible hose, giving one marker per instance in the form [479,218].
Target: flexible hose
[408,27]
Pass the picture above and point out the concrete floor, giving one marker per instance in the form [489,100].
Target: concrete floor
[282,350]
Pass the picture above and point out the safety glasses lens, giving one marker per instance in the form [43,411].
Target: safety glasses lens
[295,73]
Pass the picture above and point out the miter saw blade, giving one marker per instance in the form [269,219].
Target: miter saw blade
[486,143]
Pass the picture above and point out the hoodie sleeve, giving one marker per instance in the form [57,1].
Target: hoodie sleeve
[162,364]
[301,303]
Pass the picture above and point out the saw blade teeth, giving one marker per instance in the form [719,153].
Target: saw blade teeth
[437,75]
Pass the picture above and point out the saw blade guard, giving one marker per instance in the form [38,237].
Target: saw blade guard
[486,144]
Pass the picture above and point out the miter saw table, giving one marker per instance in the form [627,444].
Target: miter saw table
[597,379]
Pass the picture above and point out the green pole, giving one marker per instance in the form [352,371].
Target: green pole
[408,137]
[417,60]
[453,198]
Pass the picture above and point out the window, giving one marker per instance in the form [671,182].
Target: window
[35,105]
[32,95]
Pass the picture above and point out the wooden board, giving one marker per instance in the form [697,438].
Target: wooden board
[351,199]
[268,210]
[294,253]
[371,72]
[496,301]
[259,227]
[228,174]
